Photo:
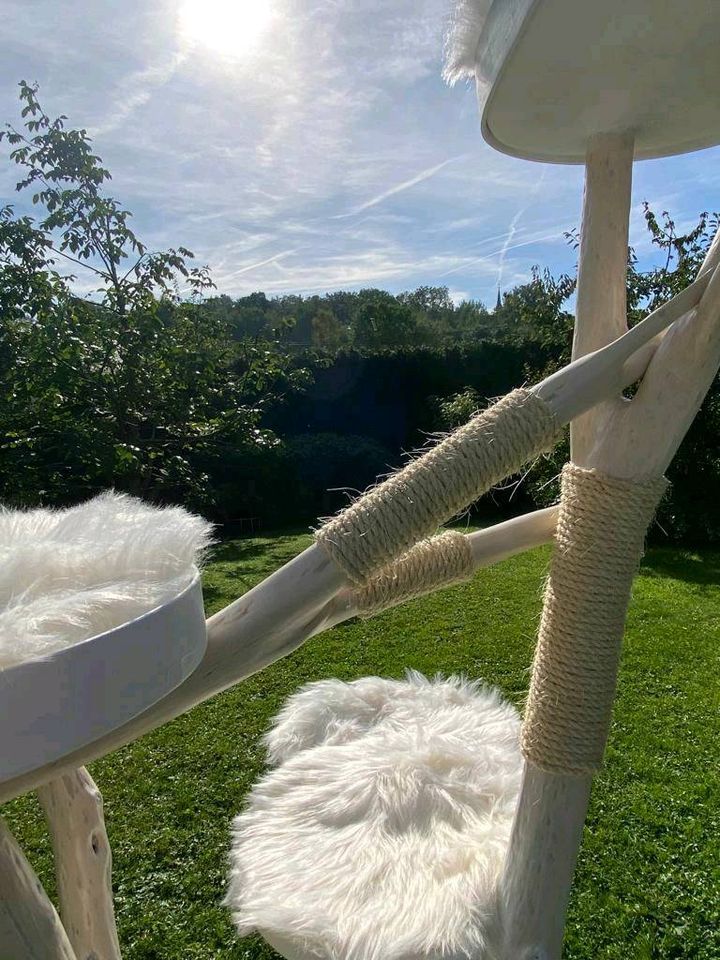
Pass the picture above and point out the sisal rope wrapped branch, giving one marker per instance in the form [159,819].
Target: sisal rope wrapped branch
[599,542]
[429,566]
[410,505]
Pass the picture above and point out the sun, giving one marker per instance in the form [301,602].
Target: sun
[229,27]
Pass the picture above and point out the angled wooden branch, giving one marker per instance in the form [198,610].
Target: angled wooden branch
[267,623]
[306,595]
[648,431]
[73,808]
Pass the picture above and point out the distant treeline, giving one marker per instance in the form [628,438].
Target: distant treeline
[372,320]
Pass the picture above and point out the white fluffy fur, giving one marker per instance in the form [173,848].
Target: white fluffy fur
[67,575]
[461,46]
[381,833]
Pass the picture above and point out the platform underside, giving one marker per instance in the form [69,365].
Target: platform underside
[552,73]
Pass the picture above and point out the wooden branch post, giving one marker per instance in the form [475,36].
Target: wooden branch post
[73,808]
[30,928]
[546,835]
[601,307]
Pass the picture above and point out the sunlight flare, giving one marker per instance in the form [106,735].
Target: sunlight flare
[228,27]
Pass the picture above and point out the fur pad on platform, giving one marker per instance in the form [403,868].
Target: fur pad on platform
[461,46]
[67,575]
[381,832]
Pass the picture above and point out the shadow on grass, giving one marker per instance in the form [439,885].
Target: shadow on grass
[234,551]
[702,568]
[254,547]
[213,597]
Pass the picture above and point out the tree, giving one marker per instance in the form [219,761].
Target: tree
[681,257]
[81,224]
[533,312]
[453,411]
[382,322]
[135,387]
[328,334]
[472,321]
[434,302]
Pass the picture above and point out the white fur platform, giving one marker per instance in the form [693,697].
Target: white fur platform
[461,45]
[68,575]
[381,832]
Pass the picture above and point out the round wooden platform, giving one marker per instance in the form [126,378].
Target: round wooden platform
[552,73]
[50,707]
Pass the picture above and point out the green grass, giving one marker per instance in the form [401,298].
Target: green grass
[648,881]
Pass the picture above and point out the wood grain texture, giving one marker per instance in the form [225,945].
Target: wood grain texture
[30,928]
[304,598]
[631,439]
[73,809]
[547,831]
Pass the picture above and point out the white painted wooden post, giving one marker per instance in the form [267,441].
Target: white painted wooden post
[601,306]
[73,808]
[546,835]
[30,928]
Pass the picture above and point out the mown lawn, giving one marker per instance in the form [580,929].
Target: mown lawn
[648,883]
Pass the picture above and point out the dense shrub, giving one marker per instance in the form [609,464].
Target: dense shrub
[296,480]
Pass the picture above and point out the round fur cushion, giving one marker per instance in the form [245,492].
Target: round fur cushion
[381,831]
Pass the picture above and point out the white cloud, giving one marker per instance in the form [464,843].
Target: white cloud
[458,296]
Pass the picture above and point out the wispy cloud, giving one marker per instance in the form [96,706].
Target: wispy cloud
[136,91]
[260,263]
[399,188]
[502,251]
[508,245]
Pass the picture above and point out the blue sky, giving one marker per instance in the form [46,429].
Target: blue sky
[327,154]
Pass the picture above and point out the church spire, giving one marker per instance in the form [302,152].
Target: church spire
[498,305]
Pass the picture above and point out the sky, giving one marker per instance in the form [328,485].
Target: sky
[304,146]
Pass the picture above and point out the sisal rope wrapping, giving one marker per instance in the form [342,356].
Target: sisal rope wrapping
[430,565]
[598,546]
[409,506]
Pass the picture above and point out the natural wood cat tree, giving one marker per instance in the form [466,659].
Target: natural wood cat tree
[561,81]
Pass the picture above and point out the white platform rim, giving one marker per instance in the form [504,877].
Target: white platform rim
[705,143]
[193,584]
[487,88]
[55,704]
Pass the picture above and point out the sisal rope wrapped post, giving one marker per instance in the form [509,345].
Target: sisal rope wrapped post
[429,566]
[411,504]
[598,546]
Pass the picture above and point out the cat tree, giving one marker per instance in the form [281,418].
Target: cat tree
[561,81]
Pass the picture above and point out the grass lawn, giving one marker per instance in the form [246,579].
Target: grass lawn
[648,882]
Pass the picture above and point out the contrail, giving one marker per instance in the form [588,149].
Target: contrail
[494,253]
[142,85]
[260,263]
[405,185]
[514,223]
